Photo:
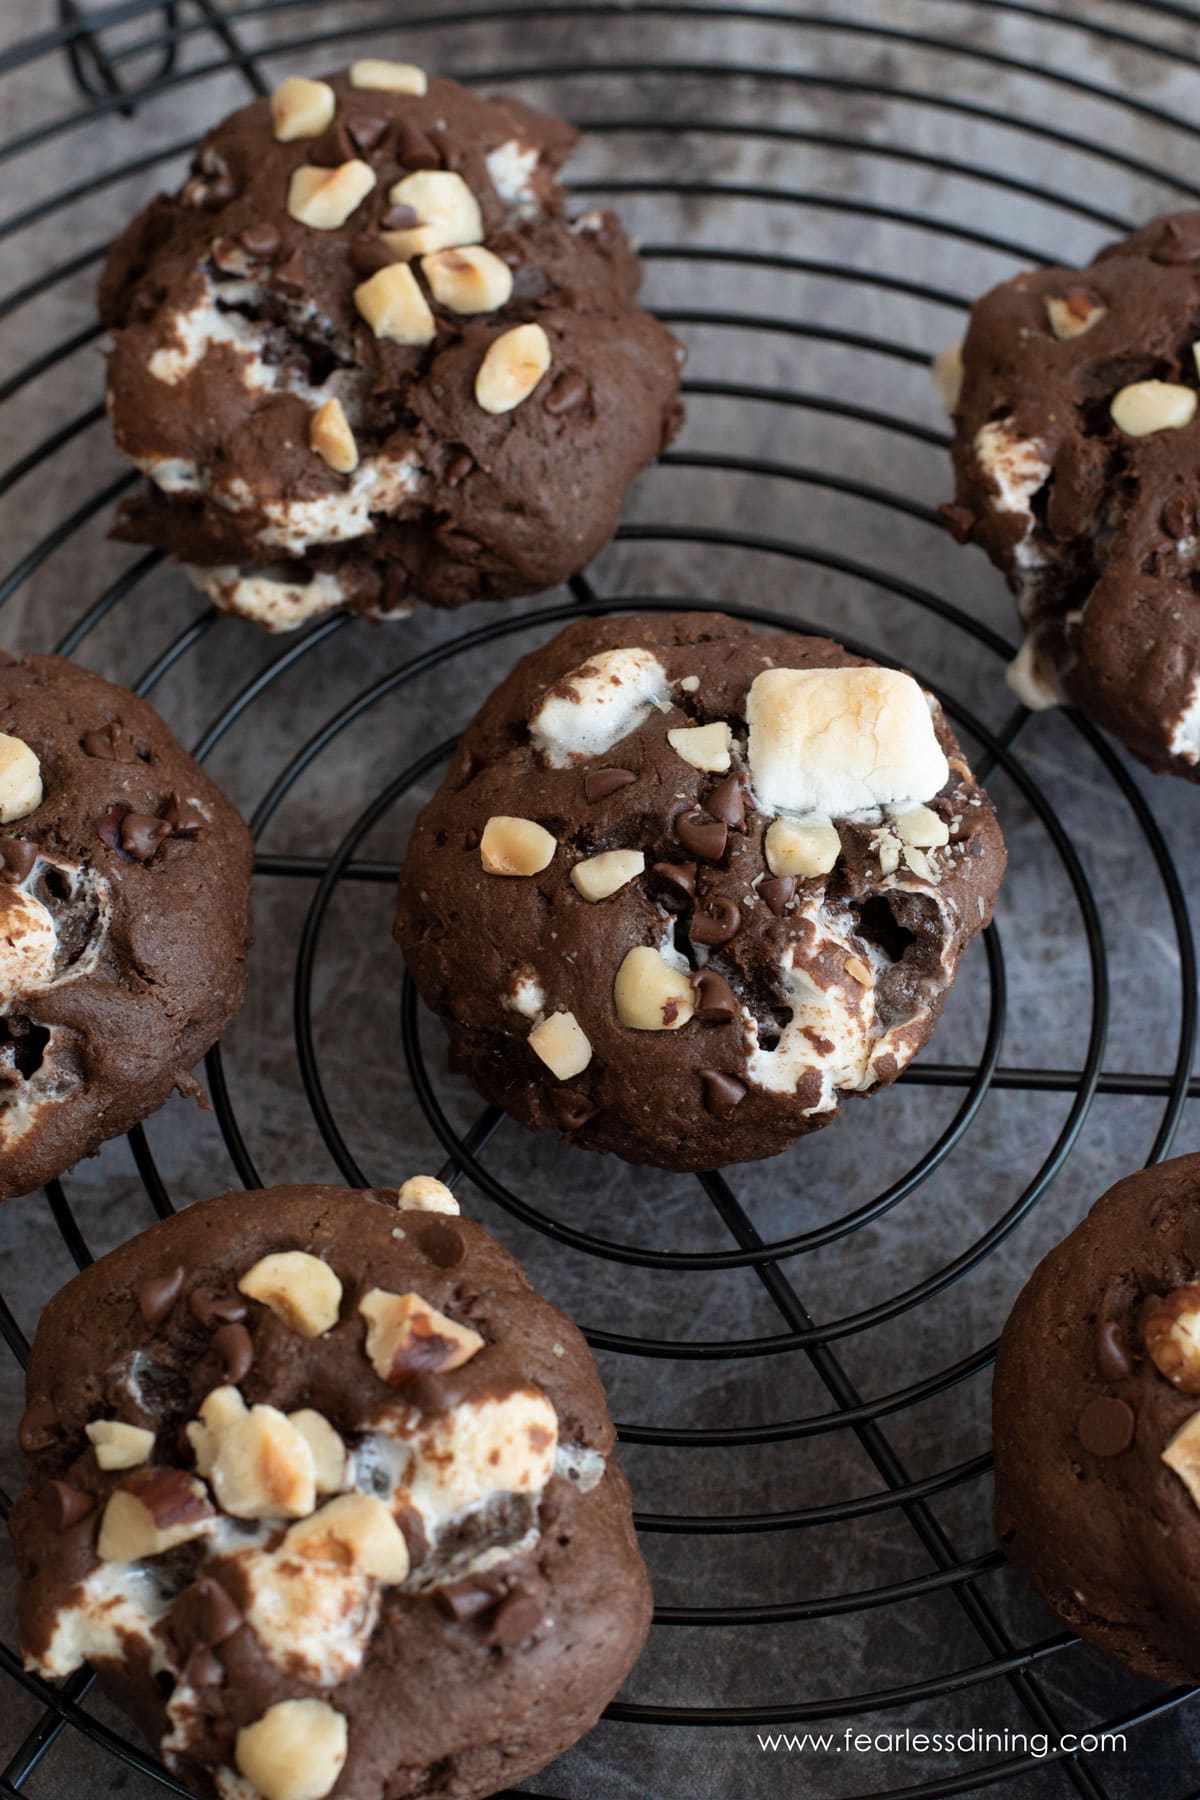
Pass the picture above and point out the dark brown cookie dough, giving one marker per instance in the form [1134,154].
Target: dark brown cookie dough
[1097,1424]
[367,1516]
[1076,445]
[124,915]
[701,943]
[298,461]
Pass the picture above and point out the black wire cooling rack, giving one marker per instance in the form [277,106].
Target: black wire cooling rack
[942,63]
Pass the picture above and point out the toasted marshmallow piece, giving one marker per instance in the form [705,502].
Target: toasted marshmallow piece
[28,943]
[504,1446]
[840,741]
[589,710]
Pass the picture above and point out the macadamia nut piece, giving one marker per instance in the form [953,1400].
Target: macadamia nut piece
[325,198]
[20,780]
[562,1044]
[301,108]
[512,846]
[300,1289]
[650,995]
[295,1751]
[512,366]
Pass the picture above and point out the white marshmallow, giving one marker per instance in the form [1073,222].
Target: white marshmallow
[1185,735]
[28,944]
[588,711]
[835,742]
[1015,464]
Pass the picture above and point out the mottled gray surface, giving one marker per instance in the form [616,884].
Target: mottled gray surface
[841,123]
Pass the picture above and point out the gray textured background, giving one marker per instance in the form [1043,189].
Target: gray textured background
[913,80]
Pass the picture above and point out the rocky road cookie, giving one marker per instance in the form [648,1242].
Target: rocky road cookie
[685,886]
[321,1487]
[365,358]
[1076,445]
[1097,1425]
[124,915]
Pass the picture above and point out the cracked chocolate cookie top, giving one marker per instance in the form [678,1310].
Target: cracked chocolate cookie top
[124,915]
[685,885]
[365,359]
[1097,1424]
[1076,446]
[322,1488]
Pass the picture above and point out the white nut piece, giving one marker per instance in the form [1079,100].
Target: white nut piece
[650,995]
[562,1044]
[1148,406]
[921,827]
[301,109]
[468,280]
[590,709]
[373,74]
[356,1532]
[325,198]
[329,434]
[833,742]
[1073,313]
[20,780]
[511,846]
[406,1336]
[152,1512]
[1172,1333]
[447,214]
[296,1751]
[219,1410]
[264,1468]
[801,847]
[703,746]
[599,876]
[1182,1455]
[300,1289]
[948,375]
[395,308]
[512,366]
[425,1193]
[117,1445]
[331,1463]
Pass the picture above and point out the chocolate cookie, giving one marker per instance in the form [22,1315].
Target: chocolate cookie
[1076,442]
[318,1482]
[685,886]
[366,359]
[1097,1424]
[124,915]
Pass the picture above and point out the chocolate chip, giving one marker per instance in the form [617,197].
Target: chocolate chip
[416,150]
[680,876]
[141,835]
[367,131]
[158,1294]
[400,218]
[598,784]
[1106,1426]
[447,150]
[727,802]
[413,1529]
[442,1243]
[203,1669]
[458,468]
[568,391]
[182,816]
[216,1309]
[777,892]
[333,148]
[217,1617]
[715,1000]
[717,923]
[108,825]
[571,1110]
[515,1620]
[959,521]
[1113,1361]
[369,254]
[64,1505]
[234,1345]
[703,836]
[17,857]
[39,1427]
[262,241]
[722,1093]
[468,1598]
[290,276]
[110,743]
